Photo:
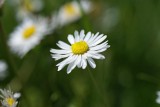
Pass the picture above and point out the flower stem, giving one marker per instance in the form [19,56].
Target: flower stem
[97,87]
[6,52]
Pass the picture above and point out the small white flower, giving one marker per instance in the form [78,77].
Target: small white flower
[71,11]
[17,95]
[158,98]
[8,99]
[28,35]
[83,49]
[26,8]
[3,70]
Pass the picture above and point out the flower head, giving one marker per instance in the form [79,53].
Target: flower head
[8,98]
[83,48]
[72,11]
[25,8]
[28,35]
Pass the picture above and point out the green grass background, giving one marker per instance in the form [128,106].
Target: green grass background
[128,77]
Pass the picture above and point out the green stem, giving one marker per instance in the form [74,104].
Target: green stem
[7,54]
[97,87]
[103,83]
[148,78]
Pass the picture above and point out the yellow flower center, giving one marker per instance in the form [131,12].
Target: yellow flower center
[10,101]
[69,8]
[80,47]
[28,32]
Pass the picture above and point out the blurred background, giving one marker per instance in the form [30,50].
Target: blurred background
[128,77]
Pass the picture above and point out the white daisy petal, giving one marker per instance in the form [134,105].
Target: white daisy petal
[60,51]
[57,56]
[63,45]
[2,96]
[99,40]
[61,66]
[100,46]
[71,67]
[66,61]
[83,49]
[76,36]
[96,38]
[92,40]
[91,62]
[87,36]
[84,63]
[73,64]
[79,63]
[71,39]
[101,50]
[82,35]
[17,95]
[95,55]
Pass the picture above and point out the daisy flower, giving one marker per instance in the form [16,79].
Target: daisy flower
[158,98]
[26,8]
[83,48]
[3,69]
[9,99]
[27,35]
[71,11]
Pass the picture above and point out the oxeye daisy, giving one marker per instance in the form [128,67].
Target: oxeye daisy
[72,11]
[27,35]
[26,8]
[9,99]
[83,48]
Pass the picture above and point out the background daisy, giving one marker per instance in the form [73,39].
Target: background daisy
[9,99]
[26,8]
[27,35]
[71,11]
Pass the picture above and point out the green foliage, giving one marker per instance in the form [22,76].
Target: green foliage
[128,77]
